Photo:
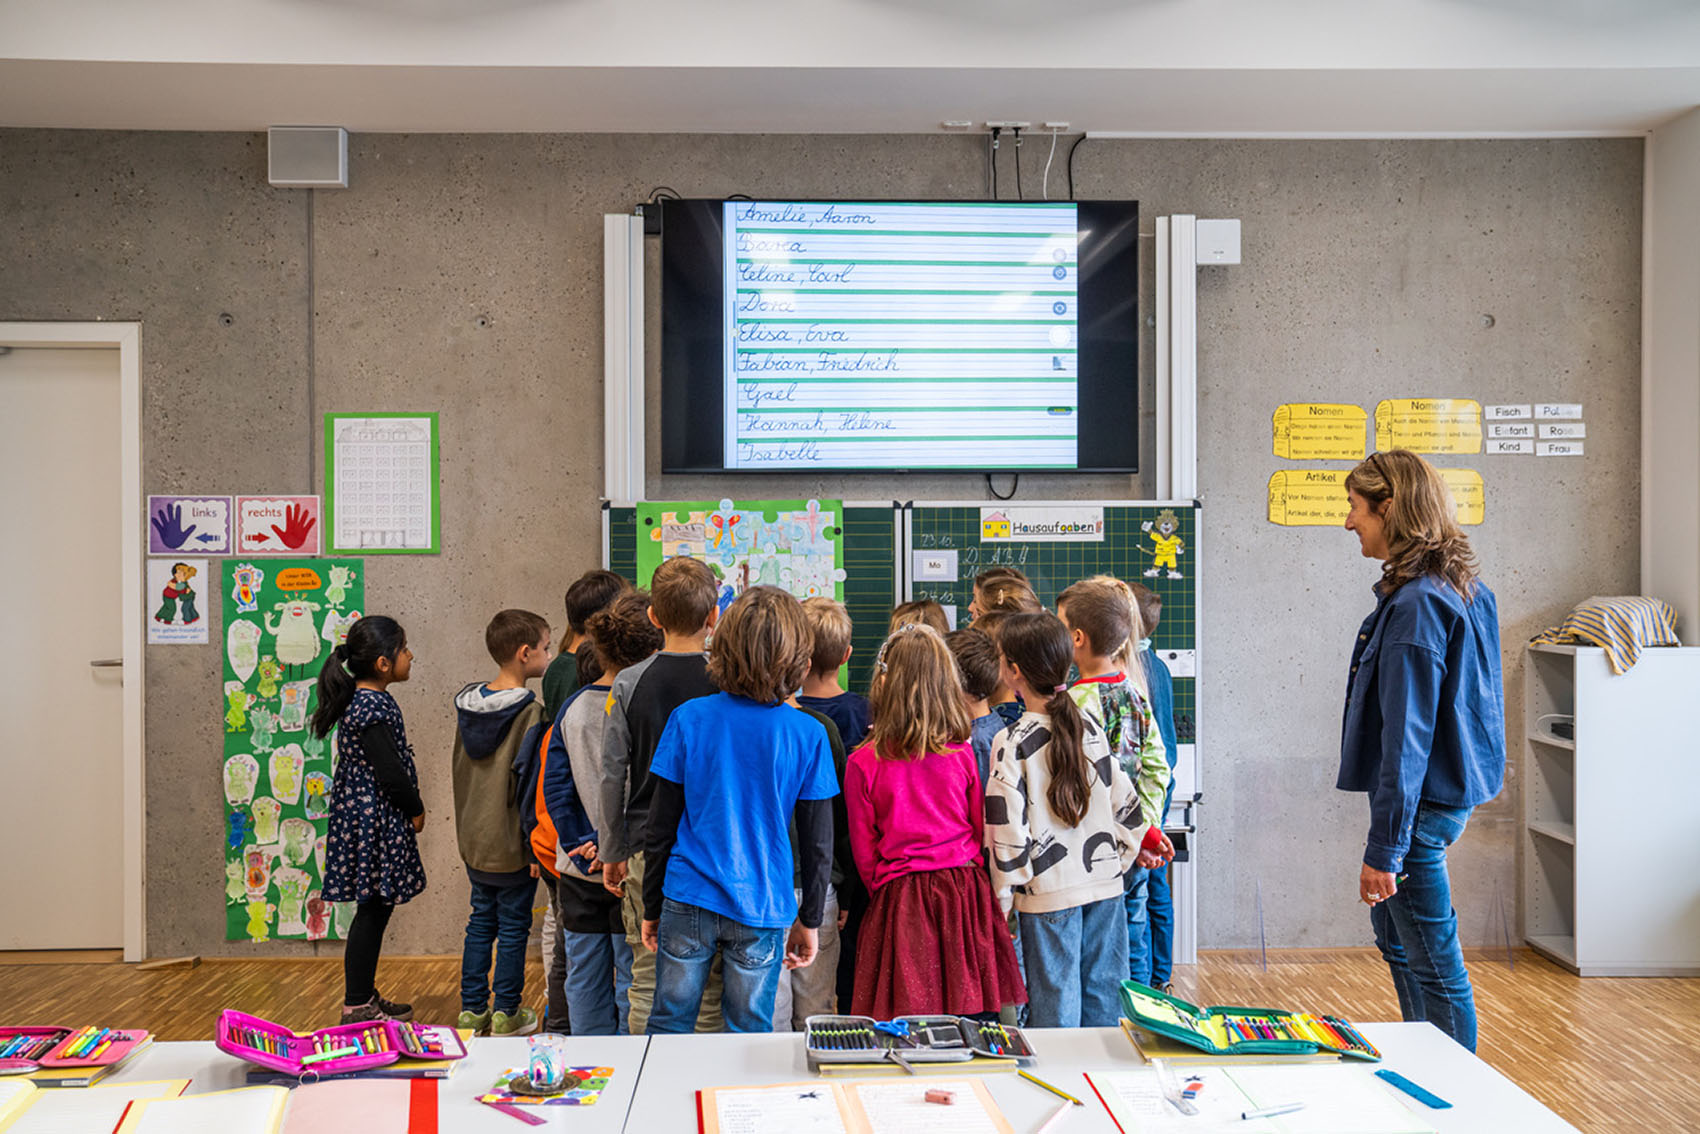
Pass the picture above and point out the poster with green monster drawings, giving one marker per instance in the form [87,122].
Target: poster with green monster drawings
[282,618]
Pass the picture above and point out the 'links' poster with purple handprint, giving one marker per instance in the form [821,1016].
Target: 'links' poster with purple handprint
[792,544]
[189,525]
[282,618]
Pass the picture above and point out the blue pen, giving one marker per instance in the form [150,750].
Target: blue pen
[92,1042]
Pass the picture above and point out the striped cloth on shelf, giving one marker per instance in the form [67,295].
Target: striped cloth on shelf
[1622,626]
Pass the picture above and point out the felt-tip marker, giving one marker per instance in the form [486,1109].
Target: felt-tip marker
[1272,1111]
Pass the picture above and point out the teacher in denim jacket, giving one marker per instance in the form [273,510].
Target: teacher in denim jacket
[1424,730]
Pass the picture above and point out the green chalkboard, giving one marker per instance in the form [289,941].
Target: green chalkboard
[1126,549]
[871,554]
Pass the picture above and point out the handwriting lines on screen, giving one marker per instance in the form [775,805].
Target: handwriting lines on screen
[901,336]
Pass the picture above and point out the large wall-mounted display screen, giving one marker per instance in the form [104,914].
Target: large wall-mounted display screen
[839,335]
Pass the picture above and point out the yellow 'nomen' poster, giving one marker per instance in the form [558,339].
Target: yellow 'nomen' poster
[1315,431]
[1429,425]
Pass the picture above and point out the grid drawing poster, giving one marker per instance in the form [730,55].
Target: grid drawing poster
[797,545]
[381,483]
[282,618]
[862,335]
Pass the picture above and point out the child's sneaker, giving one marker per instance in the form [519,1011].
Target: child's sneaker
[478,1023]
[522,1023]
[364,1013]
[402,1012]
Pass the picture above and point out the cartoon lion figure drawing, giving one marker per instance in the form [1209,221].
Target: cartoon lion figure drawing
[1165,544]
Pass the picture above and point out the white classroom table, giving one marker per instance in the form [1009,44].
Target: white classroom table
[1482,1099]
[209,1069]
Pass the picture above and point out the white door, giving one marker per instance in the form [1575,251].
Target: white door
[61,712]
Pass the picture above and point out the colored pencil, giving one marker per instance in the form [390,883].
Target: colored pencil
[1057,1091]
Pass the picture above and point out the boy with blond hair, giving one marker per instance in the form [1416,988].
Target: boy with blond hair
[830,624]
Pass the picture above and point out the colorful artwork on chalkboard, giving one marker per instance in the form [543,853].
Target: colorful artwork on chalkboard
[796,545]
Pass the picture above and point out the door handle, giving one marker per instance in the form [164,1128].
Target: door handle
[107,663]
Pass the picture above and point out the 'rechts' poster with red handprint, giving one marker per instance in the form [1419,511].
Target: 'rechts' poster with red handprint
[279,525]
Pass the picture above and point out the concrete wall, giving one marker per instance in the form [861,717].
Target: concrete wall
[1369,268]
[1670,395]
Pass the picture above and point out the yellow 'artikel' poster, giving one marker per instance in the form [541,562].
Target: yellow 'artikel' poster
[1317,497]
[1308,498]
[1312,431]
[1429,425]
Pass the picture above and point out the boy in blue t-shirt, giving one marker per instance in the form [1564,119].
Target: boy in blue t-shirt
[831,625]
[730,773]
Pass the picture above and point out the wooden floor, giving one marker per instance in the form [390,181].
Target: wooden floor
[1607,1054]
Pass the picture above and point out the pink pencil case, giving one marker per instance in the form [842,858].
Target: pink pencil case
[52,1046]
[378,1043]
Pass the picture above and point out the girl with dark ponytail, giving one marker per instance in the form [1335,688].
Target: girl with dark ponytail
[1062,824]
[371,848]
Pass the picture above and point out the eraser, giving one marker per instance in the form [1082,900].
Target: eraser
[938,1095]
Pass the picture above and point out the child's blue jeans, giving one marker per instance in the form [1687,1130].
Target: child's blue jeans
[752,958]
[500,921]
[599,981]
[1160,912]
[1076,962]
[1136,893]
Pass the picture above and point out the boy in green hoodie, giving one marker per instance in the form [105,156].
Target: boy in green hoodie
[492,719]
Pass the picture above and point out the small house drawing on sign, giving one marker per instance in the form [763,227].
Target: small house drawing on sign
[994,525]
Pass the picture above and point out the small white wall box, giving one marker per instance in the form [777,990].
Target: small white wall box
[307,157]
[1218,242]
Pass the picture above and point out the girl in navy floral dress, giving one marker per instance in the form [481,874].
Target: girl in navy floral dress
[371,850]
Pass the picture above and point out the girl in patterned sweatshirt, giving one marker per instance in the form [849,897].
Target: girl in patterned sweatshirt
[1062,824]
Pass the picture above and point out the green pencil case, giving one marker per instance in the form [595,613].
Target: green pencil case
[1230,1030]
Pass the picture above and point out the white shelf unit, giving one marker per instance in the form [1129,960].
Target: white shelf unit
[1611,818]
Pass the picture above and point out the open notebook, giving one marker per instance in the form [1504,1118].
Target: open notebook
[246,1110]
[898,1107]
[386,1106]
[27,1109]
[1338,1099]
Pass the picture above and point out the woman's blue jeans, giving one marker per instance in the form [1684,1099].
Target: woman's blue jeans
[1417,930]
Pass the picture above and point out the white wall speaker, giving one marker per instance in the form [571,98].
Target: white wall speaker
[1218,242]
[307,157]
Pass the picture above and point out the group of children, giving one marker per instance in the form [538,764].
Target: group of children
[729,839]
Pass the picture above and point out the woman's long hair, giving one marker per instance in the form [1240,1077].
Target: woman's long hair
[1420,525]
